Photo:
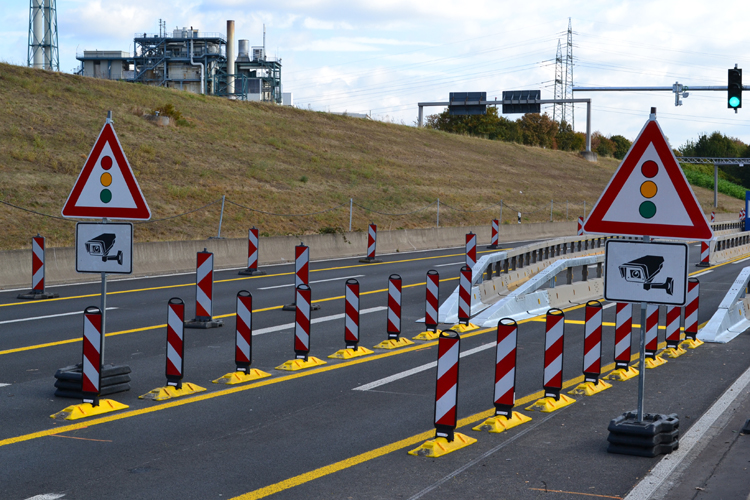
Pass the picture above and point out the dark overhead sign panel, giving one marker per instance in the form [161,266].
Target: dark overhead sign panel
[522,106]
[459,103]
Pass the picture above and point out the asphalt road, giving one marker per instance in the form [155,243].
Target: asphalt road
[311,434]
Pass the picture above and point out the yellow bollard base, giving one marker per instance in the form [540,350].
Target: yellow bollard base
[653,363]
[674,352]
[394,344]
[350,353]
[461,328]
[691,344]
[171,392]
[300,364]
[622,374]
[590,388]
[242,377]
[440,446]
[501,423]
[428,335]
[84,410]
[550,404]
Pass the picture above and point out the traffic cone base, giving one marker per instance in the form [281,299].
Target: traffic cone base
[590,388]
[300,364]
[350,353]
[461,328]
[393,343]
[674,352]
[622,374]
[233,378]
[84,410]
[441,446]
[171,392]
[550,404]
[691,344]
[365,260]
[501,423]
[428,335]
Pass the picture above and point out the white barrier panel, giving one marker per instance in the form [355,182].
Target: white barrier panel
[730,319]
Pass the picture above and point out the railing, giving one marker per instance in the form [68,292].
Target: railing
[730,319]
[728,246]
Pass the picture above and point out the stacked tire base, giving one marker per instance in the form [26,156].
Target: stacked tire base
[115,378]
[656,435]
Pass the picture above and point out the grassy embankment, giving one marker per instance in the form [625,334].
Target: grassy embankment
[269,158]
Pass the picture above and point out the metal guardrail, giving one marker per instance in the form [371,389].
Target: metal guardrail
[730,318]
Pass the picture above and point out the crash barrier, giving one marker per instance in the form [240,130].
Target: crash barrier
[37,272]
[204,293]
[731,317]
[179,256]
[252,254]
[727,226]
[496,275]
[728,246]
[372,240]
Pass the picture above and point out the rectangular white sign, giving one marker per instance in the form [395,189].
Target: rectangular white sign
[646,272]
[104,248]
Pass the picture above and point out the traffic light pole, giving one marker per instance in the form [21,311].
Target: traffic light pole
[678,89]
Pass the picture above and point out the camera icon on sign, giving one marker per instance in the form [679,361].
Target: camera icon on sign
[102,245]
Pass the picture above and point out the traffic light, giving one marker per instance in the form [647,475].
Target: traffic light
[734,88]
[106,179]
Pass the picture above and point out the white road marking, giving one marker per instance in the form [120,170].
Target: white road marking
[692,439]
[46,317]
[47,496]
[398,376]
[743,260]
[286,326]
[451,264]
[701,274]
[4,385]
[318,281]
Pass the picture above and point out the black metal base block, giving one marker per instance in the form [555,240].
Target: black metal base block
[656,435]
[703,264]
[251,272]
[370,261]
[293,307]
[37,296]
[115,378]
[492,247]
[196,323]
[660,449]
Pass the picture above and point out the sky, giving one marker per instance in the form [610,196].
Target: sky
[383,57]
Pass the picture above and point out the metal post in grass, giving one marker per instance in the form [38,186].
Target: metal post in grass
[350,214]
[221,217]
[551,204]
[501,211]
[438,213]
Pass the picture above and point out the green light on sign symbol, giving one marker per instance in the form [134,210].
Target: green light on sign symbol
[734,101]
[647,209]
[105,196]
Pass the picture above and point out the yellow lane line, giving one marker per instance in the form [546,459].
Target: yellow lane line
[232,390]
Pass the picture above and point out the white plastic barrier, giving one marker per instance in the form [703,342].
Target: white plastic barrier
[730,319]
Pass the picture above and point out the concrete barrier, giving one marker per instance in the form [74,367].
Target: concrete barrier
[179,256]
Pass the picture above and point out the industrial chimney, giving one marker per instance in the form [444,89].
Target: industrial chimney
[230,59]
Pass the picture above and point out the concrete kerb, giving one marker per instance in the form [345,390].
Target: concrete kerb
[179,256]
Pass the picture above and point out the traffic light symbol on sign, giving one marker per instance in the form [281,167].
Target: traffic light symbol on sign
[647,208]
[734,89]
[106,179]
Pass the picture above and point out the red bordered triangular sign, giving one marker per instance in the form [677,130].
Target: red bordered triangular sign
[106,187]
[649,195]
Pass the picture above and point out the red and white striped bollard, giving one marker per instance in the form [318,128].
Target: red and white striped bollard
[243,343]
[705,254]
[302,322]
[394,307]
[471,250]
[351,313]
[372,239]
[691,314]
[92,355]
[672,335]
[623,340]
[301,273]
[175,342]
[554,340]
[713,217]
[252,254]
[495,238]
[464,296]
[579,232]
[37,272]
[592,352]
[204,292]
[652,337]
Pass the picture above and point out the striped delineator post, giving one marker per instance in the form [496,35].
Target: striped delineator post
[691,314]
[351,314]
[37,271]
[204,293]
[243,343]
[713,217]
[92,355]
[471,250]
[175,342]
[446,399]
[554,339]
[372,239]
[505,381]
[464,296]
[495,238]
[623,340]
[672,336]
[592,352]
[302,322]
[252,254]
[652,337]
[705,254]
[393,327]
[301,273]
[579,232]
[432,296]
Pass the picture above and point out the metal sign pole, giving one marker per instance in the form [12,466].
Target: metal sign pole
[103,308]
[642,374]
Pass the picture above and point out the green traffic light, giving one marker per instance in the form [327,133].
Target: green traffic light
[734,101]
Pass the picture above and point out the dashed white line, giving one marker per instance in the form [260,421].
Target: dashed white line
[404,374]
[46,317]
[4,385]
[743,260]
[703,273]
[451,264]
[318,281]
[47,496]
[333,317]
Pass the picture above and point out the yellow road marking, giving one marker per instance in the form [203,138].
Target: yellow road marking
[575,493]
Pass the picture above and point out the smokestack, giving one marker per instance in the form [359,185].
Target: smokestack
[48,34]
[38,33]
[230,59]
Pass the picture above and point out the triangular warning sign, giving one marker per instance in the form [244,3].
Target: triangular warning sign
[649,195]
[106,187]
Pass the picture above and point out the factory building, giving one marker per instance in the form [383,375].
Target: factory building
[194,61]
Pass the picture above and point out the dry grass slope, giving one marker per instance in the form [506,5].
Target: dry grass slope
[269,158]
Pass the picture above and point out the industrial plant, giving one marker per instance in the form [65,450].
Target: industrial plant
[43,51]
[194,61]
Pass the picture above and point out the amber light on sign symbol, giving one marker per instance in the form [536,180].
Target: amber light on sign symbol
[649,169]
[106,180]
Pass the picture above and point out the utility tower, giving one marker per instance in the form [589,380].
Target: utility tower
[558,110]
[569,110]
[43,50]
